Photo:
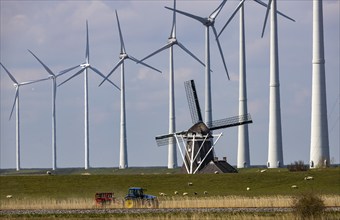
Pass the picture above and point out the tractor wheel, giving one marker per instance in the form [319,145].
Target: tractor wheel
[129,203]
[151,204]
[148,204]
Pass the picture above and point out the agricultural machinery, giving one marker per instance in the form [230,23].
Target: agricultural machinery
[137,199]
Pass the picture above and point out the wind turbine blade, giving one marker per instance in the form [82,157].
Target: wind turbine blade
[15,99]
[76,74]
[140,62]
[173,29]
[46,67]
[9,74]
[33,81]
[221,52]
[266,17]
[217,10]
[67,70]
[117,65]
[200,19]
[102,75]
[231,17]
[122,46]
[188,52]
[280,13]
[157,51]
[87,53]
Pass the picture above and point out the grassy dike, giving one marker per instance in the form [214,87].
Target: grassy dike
[76,188]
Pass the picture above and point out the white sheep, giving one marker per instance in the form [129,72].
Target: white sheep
[185,194]
[309,178]
[294,186]
[205,192]
[162,194]
[176,192]
[262,171]
[248,188]
[190,184]
[9,196]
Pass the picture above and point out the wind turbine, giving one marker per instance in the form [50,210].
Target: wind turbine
[172,40]
[17,112]
[53,77]
[243,156]
[275,154]
[208,22]
[84,69]
[319,148]
[123,161]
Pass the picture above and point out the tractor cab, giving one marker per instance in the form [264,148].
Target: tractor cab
[136,192]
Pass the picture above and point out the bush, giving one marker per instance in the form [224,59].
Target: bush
[297,166]
[308,205]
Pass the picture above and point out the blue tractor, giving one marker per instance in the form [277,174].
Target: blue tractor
[137,199]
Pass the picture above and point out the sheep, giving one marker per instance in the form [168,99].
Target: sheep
[48,172]
[262,171]
[205,192]
[190,184]
[162,194]
[9,196]
[294,187]
[185,194]
[176,192]
[248,188]
[309,178]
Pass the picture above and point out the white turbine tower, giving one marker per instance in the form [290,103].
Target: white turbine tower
[84,69]
[243,155]
[53,77]
[275,154]
[123,160]
[172,40]
[17,114]
[208,22]
[319,148]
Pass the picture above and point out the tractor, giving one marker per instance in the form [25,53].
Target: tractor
[137,199]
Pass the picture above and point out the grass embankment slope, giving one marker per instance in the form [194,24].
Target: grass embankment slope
[273,182]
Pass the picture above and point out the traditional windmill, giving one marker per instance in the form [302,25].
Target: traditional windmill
[196,145]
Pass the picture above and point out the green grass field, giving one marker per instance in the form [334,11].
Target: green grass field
[70,183]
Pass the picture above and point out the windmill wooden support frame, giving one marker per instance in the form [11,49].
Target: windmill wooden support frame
[190,151]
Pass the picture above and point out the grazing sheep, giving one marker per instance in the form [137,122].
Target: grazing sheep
[9,196]
[48,172]
[262,171]
[176,192]
[294,186]
[248,188]
[162,194]
[309,178]
[205,192]
[216,172]
[185,194]
[195,193]
[190,184]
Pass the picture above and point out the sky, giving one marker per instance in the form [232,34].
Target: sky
[55,32]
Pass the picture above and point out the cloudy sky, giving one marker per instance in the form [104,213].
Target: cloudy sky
[55,32]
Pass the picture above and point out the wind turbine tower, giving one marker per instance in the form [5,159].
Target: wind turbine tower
[319,148]
[275,154]
[243,157]
[172,153]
